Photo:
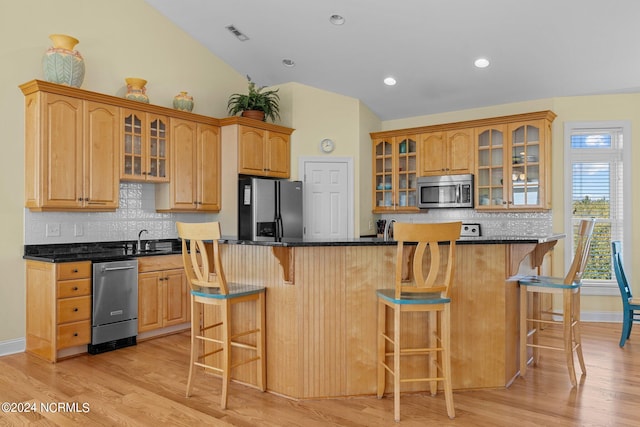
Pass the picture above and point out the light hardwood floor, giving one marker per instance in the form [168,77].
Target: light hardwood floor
[145,385]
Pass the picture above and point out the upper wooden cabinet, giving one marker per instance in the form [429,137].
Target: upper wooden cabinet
[145,152]
[80,144]
[514,164]
[510,157]
[262,152]
[195,169]
[264,149]
[71,152]
[395,166]
[446,152]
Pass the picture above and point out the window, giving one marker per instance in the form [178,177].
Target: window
[596,185]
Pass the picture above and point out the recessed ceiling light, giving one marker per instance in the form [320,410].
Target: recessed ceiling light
[288,63]
[481,63]
[389,81]
[336,19]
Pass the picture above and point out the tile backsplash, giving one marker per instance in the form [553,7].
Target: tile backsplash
[136,212]
[507,224]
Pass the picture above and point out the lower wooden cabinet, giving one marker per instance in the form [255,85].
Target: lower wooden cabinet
[163,293]
[58,307]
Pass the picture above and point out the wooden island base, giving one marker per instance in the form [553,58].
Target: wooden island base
[321,314]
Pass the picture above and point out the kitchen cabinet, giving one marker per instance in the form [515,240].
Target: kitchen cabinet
[447,152]
[510,157]
[145,150]
[163,292]
[58,307]
[395,166]
[263,149]
[195,169]
[79,145]
[263,152]
[514,164]
[71,153]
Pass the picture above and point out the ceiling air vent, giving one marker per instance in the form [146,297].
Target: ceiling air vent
[239,35]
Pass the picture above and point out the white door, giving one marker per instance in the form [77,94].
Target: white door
[326,190]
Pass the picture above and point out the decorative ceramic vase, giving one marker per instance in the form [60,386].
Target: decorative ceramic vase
[136,89]
[183,102]
[61,63]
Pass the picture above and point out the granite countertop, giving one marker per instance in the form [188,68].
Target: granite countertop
[113,251]
[99,251]
[375,241]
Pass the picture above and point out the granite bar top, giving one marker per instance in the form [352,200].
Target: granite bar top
[112,251]
[376,241]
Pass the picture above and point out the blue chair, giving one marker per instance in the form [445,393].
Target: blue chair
[209,287]
[630,306]
[428,293]
[569,288]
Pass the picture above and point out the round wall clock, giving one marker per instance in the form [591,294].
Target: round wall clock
[327,145]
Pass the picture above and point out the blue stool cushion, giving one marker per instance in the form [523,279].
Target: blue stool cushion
[547,282]
[235,290]
[412,298]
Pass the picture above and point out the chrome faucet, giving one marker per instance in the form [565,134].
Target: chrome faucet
[387,228]
[139,247]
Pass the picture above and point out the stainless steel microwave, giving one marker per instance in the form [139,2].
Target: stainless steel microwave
[446,191]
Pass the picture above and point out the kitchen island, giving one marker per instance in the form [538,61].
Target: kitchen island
[321,311]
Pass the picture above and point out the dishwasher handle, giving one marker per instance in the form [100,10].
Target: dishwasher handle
[127,267]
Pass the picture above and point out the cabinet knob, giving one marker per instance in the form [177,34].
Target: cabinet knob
[75,308]
[75,334]
[75,288]
[75,270]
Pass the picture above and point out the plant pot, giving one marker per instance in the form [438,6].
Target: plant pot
[61,63]
[253,114]
[136,89]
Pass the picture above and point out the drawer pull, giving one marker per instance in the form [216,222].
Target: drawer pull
[75,308]
[75,270]
[75,334]
[75,288]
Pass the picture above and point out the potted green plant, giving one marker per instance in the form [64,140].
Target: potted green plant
[258,104]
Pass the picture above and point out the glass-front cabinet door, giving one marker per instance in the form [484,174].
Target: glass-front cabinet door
[145,147]
[490,183]
[157,149]
[511,166]
[395,172]
[525,154]
[132,155]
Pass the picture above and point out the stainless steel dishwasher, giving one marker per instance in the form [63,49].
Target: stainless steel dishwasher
[114,322]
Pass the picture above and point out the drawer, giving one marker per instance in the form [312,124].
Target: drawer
[74,270]
[74,309]
[74,288]
[72,334]
[159,263]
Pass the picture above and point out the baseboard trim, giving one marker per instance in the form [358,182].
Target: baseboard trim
[13,346]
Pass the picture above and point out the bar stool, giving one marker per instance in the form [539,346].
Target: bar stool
[422,295]
[569,288]
[209,287]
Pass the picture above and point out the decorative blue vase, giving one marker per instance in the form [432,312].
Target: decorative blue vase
[183,102]
[61,63]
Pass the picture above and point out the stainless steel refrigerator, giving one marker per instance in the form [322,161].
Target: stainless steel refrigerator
[269,209]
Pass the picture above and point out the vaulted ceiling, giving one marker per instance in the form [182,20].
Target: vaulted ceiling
[536,48]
